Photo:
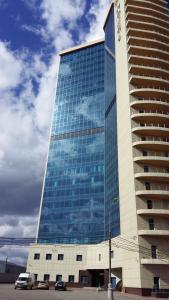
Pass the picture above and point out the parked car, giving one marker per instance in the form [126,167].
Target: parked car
[44,285]
[60,285]
[25,281]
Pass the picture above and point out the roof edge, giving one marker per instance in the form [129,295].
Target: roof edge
[82,46]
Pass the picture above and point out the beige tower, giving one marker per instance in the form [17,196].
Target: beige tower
[142,70]
[141,251]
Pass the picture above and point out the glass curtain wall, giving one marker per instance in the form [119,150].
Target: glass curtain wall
[112,216]
[73,197]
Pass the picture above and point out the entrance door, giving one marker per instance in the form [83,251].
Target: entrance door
[156,283]
[113,282]
[95,278]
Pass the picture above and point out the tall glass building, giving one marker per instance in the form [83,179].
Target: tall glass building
[112,215]
[72,208]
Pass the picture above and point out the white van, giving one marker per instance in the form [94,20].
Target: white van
[25,281]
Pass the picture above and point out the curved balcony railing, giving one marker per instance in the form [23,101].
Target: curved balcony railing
[154,212]
[150,43]
[156,161]
[148,52]
[150,165]
[147,11]
[153,177]
[147,26]
[151,62]
[146,18]
[156,232]
[148,4]
[155,118]
[149,93]
[153,194]
[148,71]
[160,2]
[148,34]
[155,83]
[150,104]
[151,131]
[152,146]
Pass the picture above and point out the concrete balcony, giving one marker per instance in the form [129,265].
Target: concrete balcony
[148,43]
[150,93]
[147,26]
[152,145]
[156,161]
[153,177]
[155,12]
[148,52]
[149,82]
[152,131]
[154,118]
[155,232]
[132,16]
[154,261]
[150,105]
[154,194]
[154,212]
[148,71]
[159,6]
[151,62]
[148,34]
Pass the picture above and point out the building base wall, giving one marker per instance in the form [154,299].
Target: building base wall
[146,292]
[137,291]
[92,270]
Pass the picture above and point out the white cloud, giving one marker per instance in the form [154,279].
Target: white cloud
[45,99]
[13,226]
[96,17]
[10,68]
[24,124]
[25,117]
[56,13]
[22,227]
[40,31]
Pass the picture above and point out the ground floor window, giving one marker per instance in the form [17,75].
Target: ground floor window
[71,278]
[58,277]
[84,279]
[78,257]
[46,277]
[36,277]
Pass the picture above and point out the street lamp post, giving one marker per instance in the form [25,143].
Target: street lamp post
[110,295]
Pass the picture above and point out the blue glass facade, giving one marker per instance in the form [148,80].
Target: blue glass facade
[73,197]
[81,194]
[112,215]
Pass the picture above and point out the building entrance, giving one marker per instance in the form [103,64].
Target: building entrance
[97,278]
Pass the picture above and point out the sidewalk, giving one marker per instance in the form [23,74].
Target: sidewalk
[131,296]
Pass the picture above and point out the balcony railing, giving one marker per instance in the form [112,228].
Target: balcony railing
[147,11]
[153,187]
[146,18]
[148,34]
[146,26]
[148,52]
[149,113]
[151,139]
[149,4]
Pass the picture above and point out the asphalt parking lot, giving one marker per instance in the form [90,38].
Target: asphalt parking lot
[7,292]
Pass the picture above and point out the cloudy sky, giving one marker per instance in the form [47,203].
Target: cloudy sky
[32,32]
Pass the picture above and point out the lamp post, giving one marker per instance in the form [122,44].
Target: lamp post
[110,295]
